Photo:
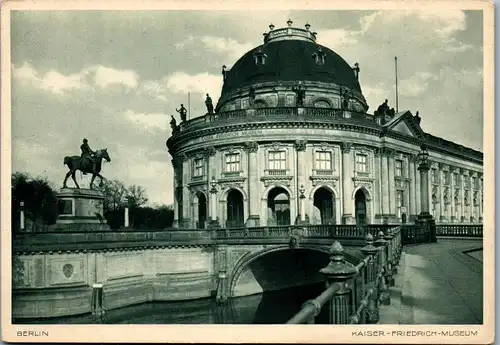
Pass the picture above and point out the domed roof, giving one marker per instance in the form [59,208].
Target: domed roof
[288,58]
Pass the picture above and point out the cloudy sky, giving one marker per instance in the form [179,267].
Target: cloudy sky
[115,77]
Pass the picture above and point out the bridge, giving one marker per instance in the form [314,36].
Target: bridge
[61,274]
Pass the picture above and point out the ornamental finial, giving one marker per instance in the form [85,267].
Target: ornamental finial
[271,27]
[308,26]
[289,22]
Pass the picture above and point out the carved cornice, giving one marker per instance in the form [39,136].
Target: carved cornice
[364,182]
[346,146]
[324,179]
[277,180]
[300,145]
[252,147]
[197,183]
[229,182]
[323,146]
[210,151]
[276,146]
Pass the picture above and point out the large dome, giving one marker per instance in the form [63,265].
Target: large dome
[289,60]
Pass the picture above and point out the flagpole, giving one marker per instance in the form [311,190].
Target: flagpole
[189,105]
[396,67]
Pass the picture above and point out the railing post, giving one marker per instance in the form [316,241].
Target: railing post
[390,256]
[97,302]
[372,271]
[339,271]
[381,244]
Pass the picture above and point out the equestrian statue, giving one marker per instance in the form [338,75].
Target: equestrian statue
[90,162]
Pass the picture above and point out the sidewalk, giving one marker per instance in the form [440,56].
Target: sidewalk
[437,284]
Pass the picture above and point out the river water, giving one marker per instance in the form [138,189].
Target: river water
[275,307]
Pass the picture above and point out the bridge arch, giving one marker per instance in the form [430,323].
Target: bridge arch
[253,284]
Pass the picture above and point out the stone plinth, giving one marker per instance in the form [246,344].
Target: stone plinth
[80,210]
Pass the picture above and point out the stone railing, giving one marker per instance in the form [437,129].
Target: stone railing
[275,114]
[130,238]
[354,293]
[460,230]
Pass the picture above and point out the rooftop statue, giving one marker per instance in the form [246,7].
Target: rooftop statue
[173,123]
[356,70]
[300,96]
[88,162]
[345,96]
[384,109]
[183,113]
[251,96]
[209,104]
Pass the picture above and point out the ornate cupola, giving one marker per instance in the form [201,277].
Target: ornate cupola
[290,59]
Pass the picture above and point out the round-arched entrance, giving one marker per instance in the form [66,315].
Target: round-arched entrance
[278,207]
[202,211]
[235,212]
[360,207]
[324,207]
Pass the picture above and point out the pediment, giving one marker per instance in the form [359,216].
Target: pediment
[403,128]
[405,124]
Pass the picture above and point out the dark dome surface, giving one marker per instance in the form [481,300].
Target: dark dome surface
[290,60]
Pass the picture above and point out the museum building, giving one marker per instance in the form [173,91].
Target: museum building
[290,142]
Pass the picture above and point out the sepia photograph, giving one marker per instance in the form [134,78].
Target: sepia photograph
[216,165]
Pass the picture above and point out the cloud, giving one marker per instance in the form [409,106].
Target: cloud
[91,77]
[442,22]
[416,85]
[182,83]
[334,38]
[105,77]
[226,46]
[53,81]
[150,122]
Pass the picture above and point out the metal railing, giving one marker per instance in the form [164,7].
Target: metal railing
[460,230]
[354,293]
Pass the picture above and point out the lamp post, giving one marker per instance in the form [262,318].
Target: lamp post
[423,168]
[21,215]
[213,204]
[302,204]
[425,218]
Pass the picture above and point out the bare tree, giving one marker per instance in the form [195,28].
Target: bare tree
[136,196]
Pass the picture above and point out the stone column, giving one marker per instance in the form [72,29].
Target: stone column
[253,185]
[378,190]
[186,202]
[175,164]
[452,195]
[438,214]
[480,198]
[442,215]
[210,163]
[300,147]
[347,171]
[214,221]
[392,186]
[385,185]
[423,168]
[21,216]
[418,202]
[413,198]
[462,194]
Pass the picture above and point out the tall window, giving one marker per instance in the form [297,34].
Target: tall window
[323,160]
[455,180]
[361,165]
[446,177]
[399,167]
[475,181]
[198,167]
[400,198]
[435,178]
[277,160]
[232,162]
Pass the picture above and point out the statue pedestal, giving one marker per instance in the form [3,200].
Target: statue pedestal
[80,210]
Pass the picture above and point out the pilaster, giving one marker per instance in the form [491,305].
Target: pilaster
[253,185]
[347,171]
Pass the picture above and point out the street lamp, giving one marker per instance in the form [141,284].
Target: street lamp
[302,191]
[213,184]
[423,155]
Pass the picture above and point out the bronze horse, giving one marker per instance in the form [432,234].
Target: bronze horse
[75,163]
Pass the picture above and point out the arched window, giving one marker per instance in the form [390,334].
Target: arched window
[321,104]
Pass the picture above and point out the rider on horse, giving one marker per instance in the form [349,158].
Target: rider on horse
[87,153]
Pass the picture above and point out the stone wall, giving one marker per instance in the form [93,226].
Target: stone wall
[48,285]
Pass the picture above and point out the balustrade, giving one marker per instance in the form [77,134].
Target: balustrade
[354,293]
[473,230]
